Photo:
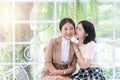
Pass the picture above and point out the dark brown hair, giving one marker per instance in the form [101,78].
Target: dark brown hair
[64,21]
[89,29]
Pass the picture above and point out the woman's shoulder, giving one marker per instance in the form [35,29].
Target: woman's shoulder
[55,40]
[91,44]
[52,40]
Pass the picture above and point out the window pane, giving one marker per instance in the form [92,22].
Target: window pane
[45,32]
[23,53]
[105,49]
[117,14]
[117,70]
[58,32]
[23,10]
[6,72]
[45,11]
[23,32]
[65,10]
[117,30]
[5,53]
[117,50]
[87,10]
[104,9]
[5,32]
[5,11]
[39,55]
[24,72]
[39,70]
[108,71]
[104,30]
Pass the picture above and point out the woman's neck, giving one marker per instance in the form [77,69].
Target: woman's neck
[80,42]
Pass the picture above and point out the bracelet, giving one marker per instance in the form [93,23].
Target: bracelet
[64,72]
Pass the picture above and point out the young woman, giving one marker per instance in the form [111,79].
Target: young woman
[87,53]
[60,59]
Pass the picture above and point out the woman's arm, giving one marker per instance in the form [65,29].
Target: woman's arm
[52,70]
[72,67]
[84,62]
[48,55]
[69,70]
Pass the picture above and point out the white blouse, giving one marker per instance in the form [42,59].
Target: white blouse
[65,50]
[90,51]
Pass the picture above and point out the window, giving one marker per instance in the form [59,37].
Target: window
[27,25]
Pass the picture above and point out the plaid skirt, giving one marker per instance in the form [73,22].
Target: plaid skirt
[89,74]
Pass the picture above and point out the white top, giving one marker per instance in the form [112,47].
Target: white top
[90,51]
[65,50]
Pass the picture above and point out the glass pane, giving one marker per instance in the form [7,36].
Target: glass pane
[39,55]
[23,72]
[45,32]
[104,9]
[65,10]
[117,70]
[105,49]
[108,71]
[86,10]
[104,31]
[117,14]
[58,32]
[5,53]
[23,10]
[117,50]
[45,11]
[6,72]
[117,32]
[38,73]
[23,32]
[5,32]
[5,11]
[23,53]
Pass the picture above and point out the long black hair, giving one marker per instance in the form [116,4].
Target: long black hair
[89,29]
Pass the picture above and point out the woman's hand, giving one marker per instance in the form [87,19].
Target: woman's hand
[52,70]
[55,72]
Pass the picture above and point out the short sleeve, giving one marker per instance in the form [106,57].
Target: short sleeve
[90,50]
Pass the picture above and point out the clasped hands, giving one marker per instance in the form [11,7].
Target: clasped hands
[54,72]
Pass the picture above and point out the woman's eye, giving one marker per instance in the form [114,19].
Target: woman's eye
[65,29]
[71,28]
